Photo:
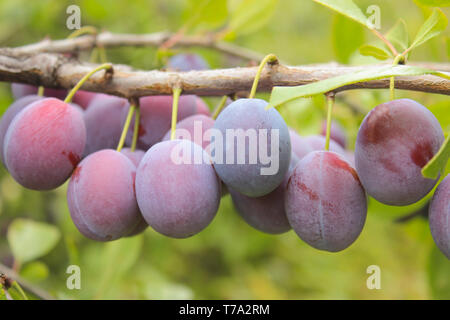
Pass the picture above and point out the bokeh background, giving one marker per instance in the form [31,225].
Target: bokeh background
[229,259]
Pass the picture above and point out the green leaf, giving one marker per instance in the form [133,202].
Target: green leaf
[250,15]
[35,271]
[2,293]
[205,13]
[16,292]
[281,95]
[373,51]
[432,27]
[438,162]
[439,274]
[119,257]
[434,3]
[398,36]
[348,8]
[347,36]
[30,240]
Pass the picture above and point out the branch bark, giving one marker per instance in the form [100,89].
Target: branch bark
[59,71]
[113,40]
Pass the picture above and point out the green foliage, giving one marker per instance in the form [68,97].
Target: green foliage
[434,3]
[35,271]
[437,164]
[247,16]
[433,26]
[373,51]
[229,259]
[205,14]
[30,240]
[281,95]
[347,35]
[348,8]
[398,36]
[438,271]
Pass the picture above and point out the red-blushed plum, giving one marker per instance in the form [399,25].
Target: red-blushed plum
[156,117]
[350,156]
[9,115]
[20,90]
[439,215]
[135,156]
[202,107]
[325,201]
[337,133]
[187,62]
[196,128]
[101,196]
[266,213]
[84,98]
[395,141]
[44,143]
[317,143]
[251,131]
[300,147]
[177,198]
[104,120]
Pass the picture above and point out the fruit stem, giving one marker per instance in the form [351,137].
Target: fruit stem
[126,126]
[83,30]
[330,102]
[219,107]
[106,66]
[396,61]
[176,98]
[40,92]
[386,41]
[271,59]
[137,119]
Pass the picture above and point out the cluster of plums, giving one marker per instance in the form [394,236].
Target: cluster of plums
[319,194]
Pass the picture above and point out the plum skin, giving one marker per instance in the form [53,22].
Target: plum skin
[325,201]
[101,196]
[177,200]
[337,133]
[266,213]
[189,124]
[439,216]
[135,156]
[246,178]
[104,120]
[156,116]
[44,143]
[395,141]
[9,115]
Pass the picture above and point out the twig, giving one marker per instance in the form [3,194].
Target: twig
[112,40]
[59,71]
[38,292]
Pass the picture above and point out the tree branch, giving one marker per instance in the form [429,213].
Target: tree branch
[113,40]
[59,71]
[38,292]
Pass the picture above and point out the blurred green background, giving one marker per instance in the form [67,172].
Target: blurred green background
[229,259]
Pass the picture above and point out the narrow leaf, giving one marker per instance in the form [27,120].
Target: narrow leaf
[398,36]
[438,162]
[281,95]
[347,36]
[2,293]
[373,51]
[348,8]
[250,15]
[432,27]
[434,3]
